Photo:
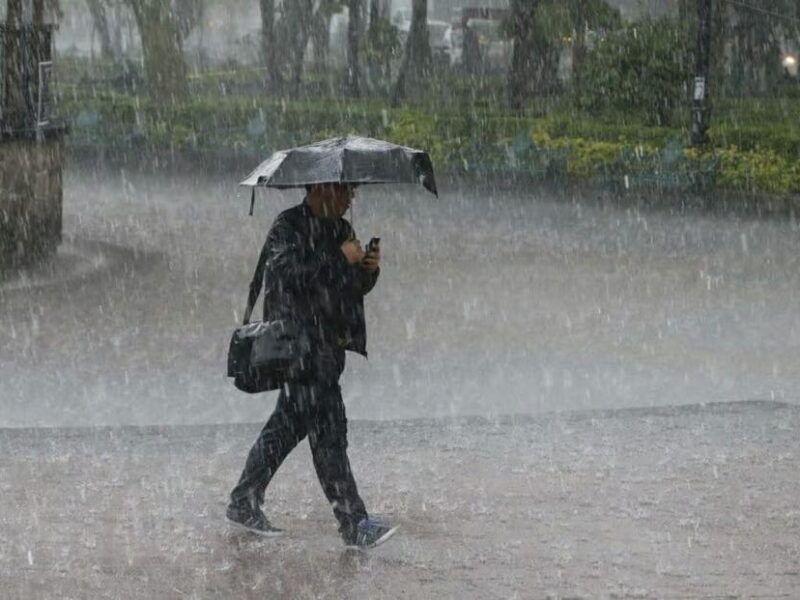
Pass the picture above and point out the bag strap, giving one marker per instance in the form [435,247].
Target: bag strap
[255,285]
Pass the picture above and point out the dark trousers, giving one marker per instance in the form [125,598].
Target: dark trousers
[316,410]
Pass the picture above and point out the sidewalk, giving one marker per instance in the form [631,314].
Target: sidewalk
[689,502]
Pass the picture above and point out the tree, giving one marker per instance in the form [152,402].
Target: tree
[373,33]
[746,41]
[298,17]
[320,27]
[97,10]
[383,45]
[754,33]
[13,98]
[268,46]
[523,28]
[417,59]
[583,15]
[353,40]
[188,13]
[579,42]
[162,52]
[643,68]
[539,33]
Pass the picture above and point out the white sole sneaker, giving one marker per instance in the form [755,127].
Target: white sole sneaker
[385,536]
[272,533]
[377,542]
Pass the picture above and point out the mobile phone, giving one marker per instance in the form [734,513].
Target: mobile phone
[373,244]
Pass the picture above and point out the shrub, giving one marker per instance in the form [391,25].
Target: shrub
[745,155]
[757,170]
[643,67]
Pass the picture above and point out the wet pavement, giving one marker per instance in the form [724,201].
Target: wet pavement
[492,301]
[683,502]
[517,416]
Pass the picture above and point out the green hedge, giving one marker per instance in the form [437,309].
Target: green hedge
[562,144]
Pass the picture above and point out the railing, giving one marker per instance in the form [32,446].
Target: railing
[25,65]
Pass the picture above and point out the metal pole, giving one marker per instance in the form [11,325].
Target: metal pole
[701,107]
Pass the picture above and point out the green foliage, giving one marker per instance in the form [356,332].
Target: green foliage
[557,18]
[209,124]
[599,14]
[752,33]
[584,158]
[778,138]
[744,155]
[383,42]
[642,67]
[626,133]
[758,170]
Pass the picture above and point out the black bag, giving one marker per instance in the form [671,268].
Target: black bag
[262,356]
[265,355]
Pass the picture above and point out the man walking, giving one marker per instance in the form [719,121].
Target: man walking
[315,273]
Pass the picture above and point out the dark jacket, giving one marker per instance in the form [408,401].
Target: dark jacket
[308,279]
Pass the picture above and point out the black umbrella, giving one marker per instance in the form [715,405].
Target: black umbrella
[351,159]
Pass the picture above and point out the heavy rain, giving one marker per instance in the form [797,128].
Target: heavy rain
[582,376]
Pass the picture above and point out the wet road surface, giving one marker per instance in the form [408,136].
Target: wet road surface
[491,302]
[686,502]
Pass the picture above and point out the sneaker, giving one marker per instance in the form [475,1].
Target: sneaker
[370,533]
[252,519]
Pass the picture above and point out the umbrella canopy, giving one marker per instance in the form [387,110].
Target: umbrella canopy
[351,159]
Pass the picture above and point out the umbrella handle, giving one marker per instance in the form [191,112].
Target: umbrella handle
[252,200]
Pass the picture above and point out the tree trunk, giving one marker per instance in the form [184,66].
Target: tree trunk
[373,33]
[13,99]
[38,12]
[687,11]
[302,18]
[417,60]
[543,70]
[97,10]
[14,13]
[164,67]
[579,44]
[720,33]
[268,54]
[320,29]
[353,38]
[523,31]
[374,15]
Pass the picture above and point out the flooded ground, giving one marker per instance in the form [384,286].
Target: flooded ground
[516,329]
[491,302]
[685,502]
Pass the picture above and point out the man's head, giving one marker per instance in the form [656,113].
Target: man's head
[330,199]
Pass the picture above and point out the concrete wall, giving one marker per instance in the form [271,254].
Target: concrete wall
[30,199]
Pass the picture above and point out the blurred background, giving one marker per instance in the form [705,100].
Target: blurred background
[580,89]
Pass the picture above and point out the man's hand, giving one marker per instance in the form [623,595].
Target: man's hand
[352,251]
[372,259]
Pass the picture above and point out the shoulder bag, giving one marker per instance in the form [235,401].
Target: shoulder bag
[264,355]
